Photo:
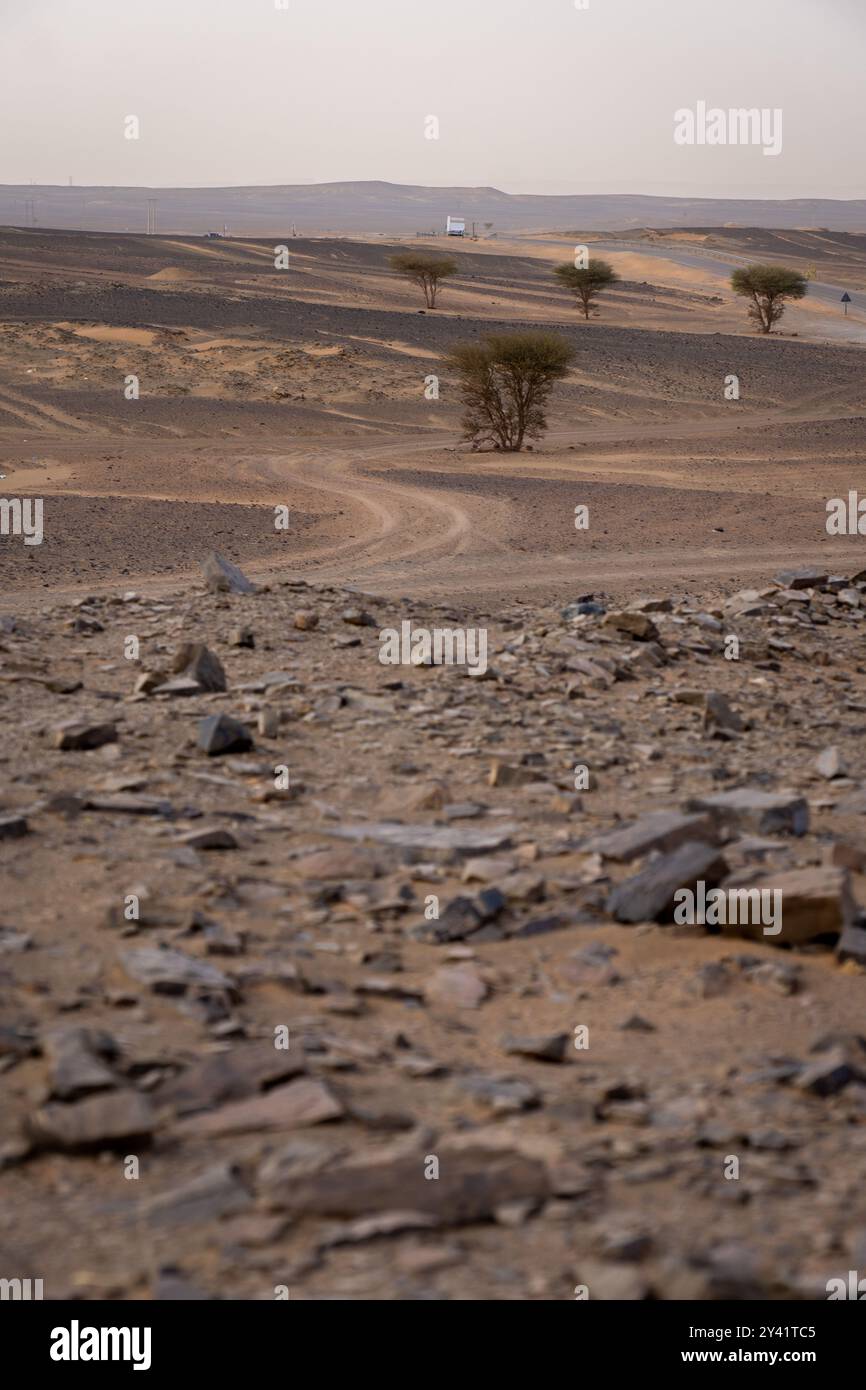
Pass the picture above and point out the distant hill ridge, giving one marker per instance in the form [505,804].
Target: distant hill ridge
[376,206]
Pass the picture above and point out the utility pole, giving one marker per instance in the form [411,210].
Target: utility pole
[151,216]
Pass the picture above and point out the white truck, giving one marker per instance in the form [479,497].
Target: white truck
[455,226]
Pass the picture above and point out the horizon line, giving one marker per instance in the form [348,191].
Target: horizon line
[446,187]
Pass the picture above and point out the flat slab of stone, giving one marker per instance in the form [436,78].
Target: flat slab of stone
[230,1076]
[13,827]
[121,805]
[462,916]
[303,1102]
[752,808]
[662,830]
[548,1047]
[101,1121]
[76,736]
[213,1195]
[475,1178]
[172,972]
[11,942]
[210,837]
[808,577]
[180,687]
[650,894]
[271,680]
[436,837]
[814,902]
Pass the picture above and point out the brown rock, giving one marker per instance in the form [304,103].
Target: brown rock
[550,1047]
[233,1075]
[848,856]
[301,1102]
[76,736]
[636,625]
[814,902]
[504,775]
[476,1175]
[100,1122]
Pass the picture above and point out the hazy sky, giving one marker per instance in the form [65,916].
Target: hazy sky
[531,95]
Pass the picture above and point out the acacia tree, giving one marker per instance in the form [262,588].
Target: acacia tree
[588,282]
[768,287]
[505,383]
[424,269]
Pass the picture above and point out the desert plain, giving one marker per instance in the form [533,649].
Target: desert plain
[545,1084]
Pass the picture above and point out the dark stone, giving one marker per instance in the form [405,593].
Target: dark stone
[13,827]
[219,733]
[806,578]
[197,662]
[650,894]
[76,736]
[662,830]
[551,1047]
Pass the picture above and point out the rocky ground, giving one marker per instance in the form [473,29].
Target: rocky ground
[330,978]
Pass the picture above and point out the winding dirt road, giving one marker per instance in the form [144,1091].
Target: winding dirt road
[427,517]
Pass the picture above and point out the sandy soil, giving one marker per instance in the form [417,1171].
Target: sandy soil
[306,389]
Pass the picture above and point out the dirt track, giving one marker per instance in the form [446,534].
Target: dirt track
[411,518]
